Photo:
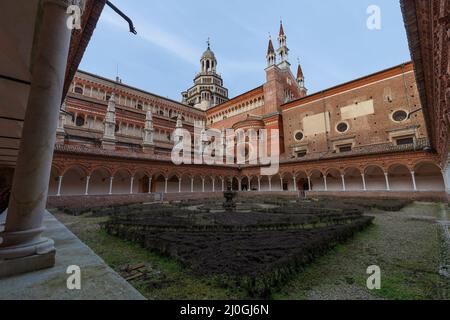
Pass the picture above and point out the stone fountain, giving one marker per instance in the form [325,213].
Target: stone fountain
[228,204]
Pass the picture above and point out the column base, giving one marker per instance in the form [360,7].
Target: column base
[148,149]
[31,263]
[108,145]
[60,137]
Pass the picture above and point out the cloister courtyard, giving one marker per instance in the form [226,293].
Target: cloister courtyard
[406,239]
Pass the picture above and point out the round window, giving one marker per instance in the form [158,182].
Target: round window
[399,116]
[79,121]
[342,127]
[299,136]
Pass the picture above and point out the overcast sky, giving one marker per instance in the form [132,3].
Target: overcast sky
[330,37]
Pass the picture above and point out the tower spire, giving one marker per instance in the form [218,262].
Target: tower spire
[271,56]
[301,78]
[281,29]
[283,50]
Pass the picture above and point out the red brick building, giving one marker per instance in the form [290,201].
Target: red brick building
[366,137]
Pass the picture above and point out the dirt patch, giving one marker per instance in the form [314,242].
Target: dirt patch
[259,250]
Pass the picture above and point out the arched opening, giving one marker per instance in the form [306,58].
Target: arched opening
[122,182]
[334,180]
[276,183]
[173,184]
[302,181]
[141,182]
[400,178]
[317,182]
[186,183]
[252,183]
[232,182]
[99,182]
[158,183]
[288,182]
[74,182]
[375,178]
[429,177]
[208,184]
[353,179]
[52,185]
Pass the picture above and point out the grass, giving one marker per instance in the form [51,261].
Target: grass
[405,245]
[169,280]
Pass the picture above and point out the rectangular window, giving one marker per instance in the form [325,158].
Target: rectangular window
[345,148]
[404,141]
[300,154]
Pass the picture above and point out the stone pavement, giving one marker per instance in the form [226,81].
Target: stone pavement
[98,281]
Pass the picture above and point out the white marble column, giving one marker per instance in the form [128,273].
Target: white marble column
[192,185]
[446,177]
[413,176]
[131,185]
[223,185]
[88,178]
[179,185]
[23,227]
[58,193]
[270,183]
[386,176]
[325,183]
[281,183]
[294,179]
[214,185]
[239,185]
[309,184]
[203,184]
[149,185]
[259,184]
[344,188]
[364,181]
[166,181]
[111,179]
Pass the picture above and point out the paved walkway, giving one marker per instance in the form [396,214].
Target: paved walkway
[98,281]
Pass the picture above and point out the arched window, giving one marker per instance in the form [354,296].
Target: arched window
[79,121]
[78,90]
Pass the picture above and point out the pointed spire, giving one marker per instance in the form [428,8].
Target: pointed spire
[271,56]
[299,71]
[281,29]
[270,48]
[283,50]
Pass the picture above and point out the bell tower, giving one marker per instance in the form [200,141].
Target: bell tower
[208,90]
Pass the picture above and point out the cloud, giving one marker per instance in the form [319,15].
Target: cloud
[158,37]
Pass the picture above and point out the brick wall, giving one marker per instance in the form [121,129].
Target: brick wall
[364,130]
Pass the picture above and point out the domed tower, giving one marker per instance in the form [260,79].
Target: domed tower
[208,90]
